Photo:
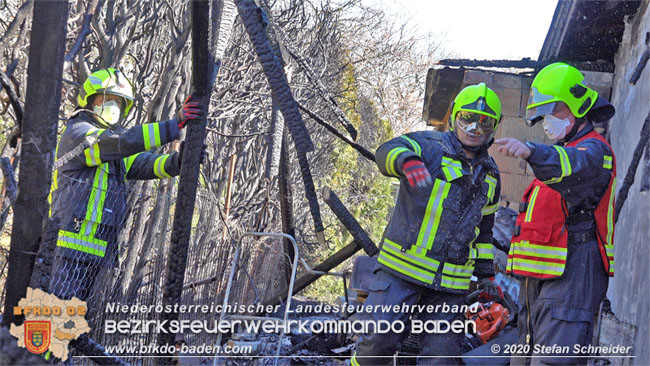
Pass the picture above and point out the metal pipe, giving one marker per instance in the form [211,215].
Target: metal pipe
[225,301]
[294,267]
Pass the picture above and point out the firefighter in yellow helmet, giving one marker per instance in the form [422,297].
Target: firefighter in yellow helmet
[95,158]
[440,233]
[563,248]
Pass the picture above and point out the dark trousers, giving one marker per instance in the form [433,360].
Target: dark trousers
[561,312]
[391,290]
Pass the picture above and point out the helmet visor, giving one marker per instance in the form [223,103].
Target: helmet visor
[475,124]
[537,113]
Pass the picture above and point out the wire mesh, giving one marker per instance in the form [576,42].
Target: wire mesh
[119,258]
[91,213]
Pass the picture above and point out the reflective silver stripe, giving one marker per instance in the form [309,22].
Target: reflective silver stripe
[473,253]
[484,251]
[149,136]
[457,270]
[83,243]
[416,147]
[610,215]
[457,283]
[383,256]
[391,158]
[539,251]
[395,250]
[491,180]
[492,185]
[565,165]
[450,162]
[518,262]
[152,135]
[435,212]
[99,192]
[451,173]
[489,210]
[451,168]
[159,167]
[92,152]
[607,162]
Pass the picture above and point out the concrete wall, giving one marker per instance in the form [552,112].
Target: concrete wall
[629,290]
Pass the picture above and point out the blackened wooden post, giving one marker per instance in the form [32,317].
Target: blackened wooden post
[39,126]
[286,203]
[202,70]
[254,19]
[343,214]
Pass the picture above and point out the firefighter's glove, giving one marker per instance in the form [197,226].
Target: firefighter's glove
[190,111]
[204,153]
[416,173]
[490,291]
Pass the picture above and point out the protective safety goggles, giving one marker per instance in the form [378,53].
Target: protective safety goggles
[475,124]
[537,113]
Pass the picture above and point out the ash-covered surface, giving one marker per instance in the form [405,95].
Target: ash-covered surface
[298,347]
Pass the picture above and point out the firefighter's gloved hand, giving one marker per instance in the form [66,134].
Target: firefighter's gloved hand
[204,153]
[490,290]
[190,111]
[416,173]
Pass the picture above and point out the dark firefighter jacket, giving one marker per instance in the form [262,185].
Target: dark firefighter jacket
[439,237]
[581,174]
[89,192]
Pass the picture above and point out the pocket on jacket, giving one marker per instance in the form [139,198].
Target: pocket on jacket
[571,314]
[378,285]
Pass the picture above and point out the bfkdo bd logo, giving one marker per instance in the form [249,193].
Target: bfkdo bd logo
[38,334]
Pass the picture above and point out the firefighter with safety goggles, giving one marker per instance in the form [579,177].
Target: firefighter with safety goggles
[563,246]
[440,233]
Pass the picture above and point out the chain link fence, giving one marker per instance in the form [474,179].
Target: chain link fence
[111,249]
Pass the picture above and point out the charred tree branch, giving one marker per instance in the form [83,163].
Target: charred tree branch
[253,18]
[362,150]
[91,8]
[13,98]
[201,72]
[360,236]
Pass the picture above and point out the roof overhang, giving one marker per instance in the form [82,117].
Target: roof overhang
[586,31]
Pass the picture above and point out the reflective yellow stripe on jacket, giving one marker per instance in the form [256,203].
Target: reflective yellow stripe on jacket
[457,276]
[82,243]
[151,136]
[565,164]
[410,263]
[92,152]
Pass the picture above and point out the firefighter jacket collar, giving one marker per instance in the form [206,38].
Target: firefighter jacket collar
[480,154]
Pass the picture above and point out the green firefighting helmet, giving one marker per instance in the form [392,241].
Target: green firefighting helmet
[476,110]
[559,82]
[107,81]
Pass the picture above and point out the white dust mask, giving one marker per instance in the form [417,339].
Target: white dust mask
[554,127]
[109,111]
